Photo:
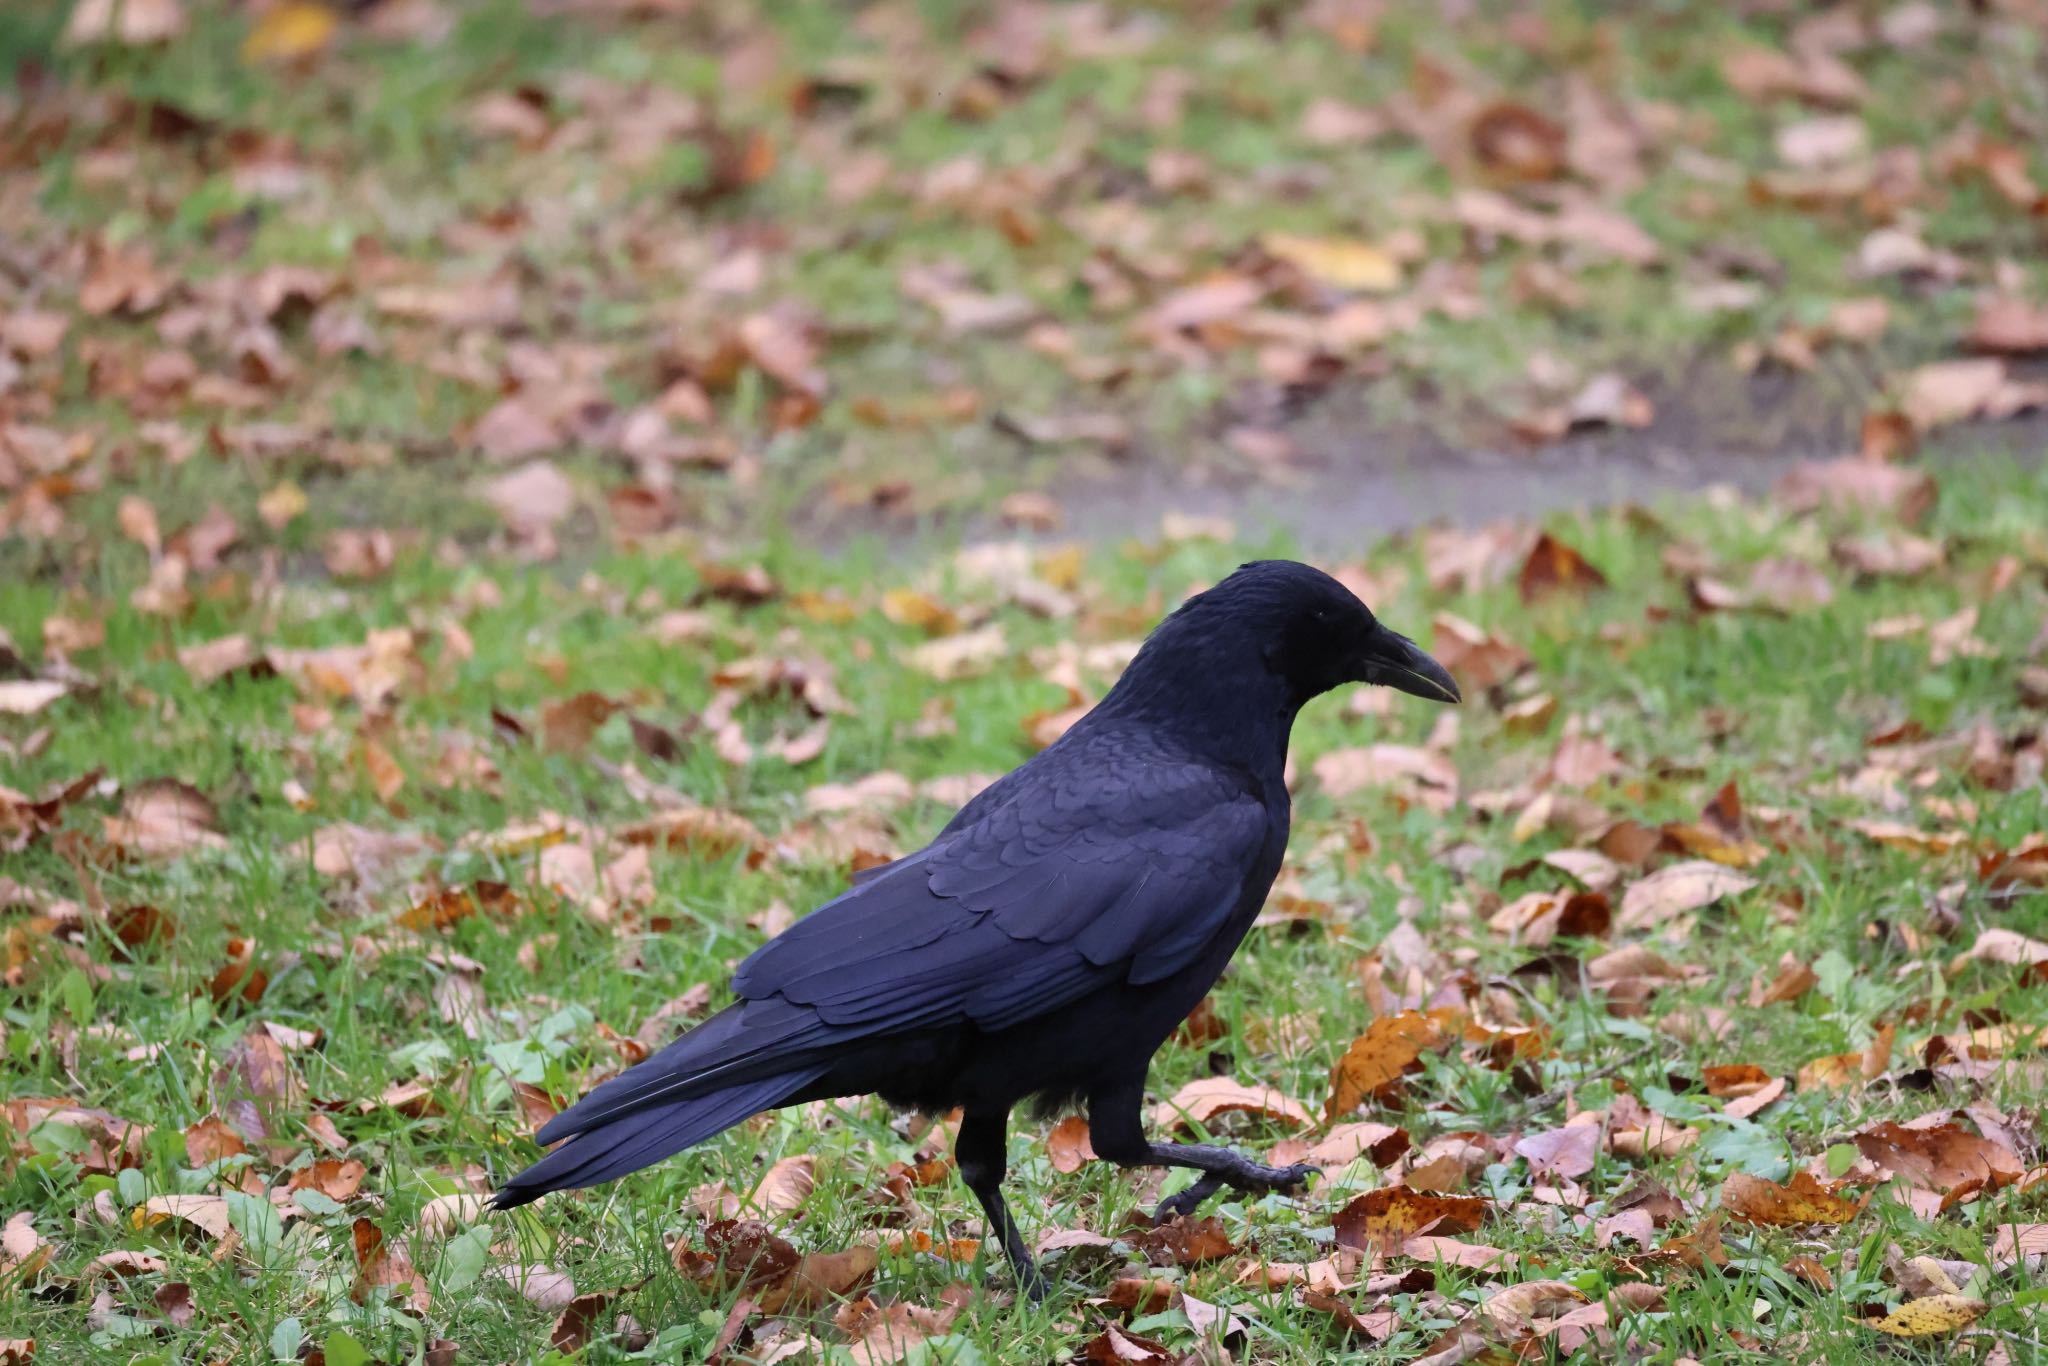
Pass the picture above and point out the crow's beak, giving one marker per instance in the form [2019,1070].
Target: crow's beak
[1393,660]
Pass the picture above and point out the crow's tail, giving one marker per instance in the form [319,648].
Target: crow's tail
[750,1057]
[647,1135]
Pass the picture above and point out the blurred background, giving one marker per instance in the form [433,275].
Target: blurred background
[1347,264]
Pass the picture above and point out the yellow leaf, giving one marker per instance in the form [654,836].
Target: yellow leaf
[909,607]
[1930,1316]
[1340,262]
[281,505]
[289,32]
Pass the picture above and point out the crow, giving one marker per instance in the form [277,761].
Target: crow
[1051,937]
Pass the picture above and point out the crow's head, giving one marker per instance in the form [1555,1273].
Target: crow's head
[1316,634]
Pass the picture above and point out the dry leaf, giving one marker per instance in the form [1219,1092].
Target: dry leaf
[1390,1216]
[1552,566]
[1390,1048]
[1674,890]
[1930,1317]
[1198,1102]
[1803,1201]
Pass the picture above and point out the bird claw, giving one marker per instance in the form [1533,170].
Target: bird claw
[1250,1177]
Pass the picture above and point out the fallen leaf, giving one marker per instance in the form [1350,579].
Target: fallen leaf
[1183,1241]
[1339,262]
[1552,566]
[1198,1102]
[165,818]
[1674,890]
[2008,326]
[1803,1201]
[1932,1316]
[133,22]
[1069,1145]
[27,696]
[1939,1158]
[785,1186]
[1516,143]
[1390,1216]
[1568,1152]
[960,656]
[1389,1049]
[1114,1346]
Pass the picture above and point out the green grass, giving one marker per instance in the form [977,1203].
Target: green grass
[1794,695]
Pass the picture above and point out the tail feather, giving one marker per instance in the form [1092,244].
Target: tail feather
[646,1136]
[744,1043]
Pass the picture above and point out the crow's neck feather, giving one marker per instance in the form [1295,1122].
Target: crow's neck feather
[1212,689]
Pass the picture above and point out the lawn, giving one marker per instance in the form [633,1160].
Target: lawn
[506,506]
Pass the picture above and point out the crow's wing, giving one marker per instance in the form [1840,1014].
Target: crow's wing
[1102,871]
[1111,864]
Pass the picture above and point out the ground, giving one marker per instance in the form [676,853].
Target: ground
[506,505]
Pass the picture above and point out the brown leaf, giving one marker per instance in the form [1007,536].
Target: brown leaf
[1183,1241]
[1792,980]
[27,696]
[883,1336]
[1201,1101]
[165,818]
[1214,300]
[782,349]
[577,1323]
[1552,566]
[1514,142]
[207,1213]
[359,553]
[1479,659]
[1069,1145]
[785,1186]
[1940,1158]
[1390,1048]
[2013,1242]
[1344,1144]
[1374,1326]
[1674,890]
[960,656]
[567,725]
[1946,392]
[337,1179]
[1735,1079]
[1390,1216]
[1788,585]
[1803,1201]
[1855,485]
[209,1140]
[2008,326]
[1114,1347]
[211,660]
[1431,778]
[532,498]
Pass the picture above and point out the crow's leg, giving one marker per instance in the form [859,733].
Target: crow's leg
[1116,1130]
[982,1150]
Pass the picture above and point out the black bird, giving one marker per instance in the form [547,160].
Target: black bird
[1051,937]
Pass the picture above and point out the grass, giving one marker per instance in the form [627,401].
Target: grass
[1793,697]
[363,161]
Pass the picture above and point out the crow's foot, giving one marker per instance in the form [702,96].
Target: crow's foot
[1246,1175]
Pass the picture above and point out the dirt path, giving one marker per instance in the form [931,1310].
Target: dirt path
[1358,480]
